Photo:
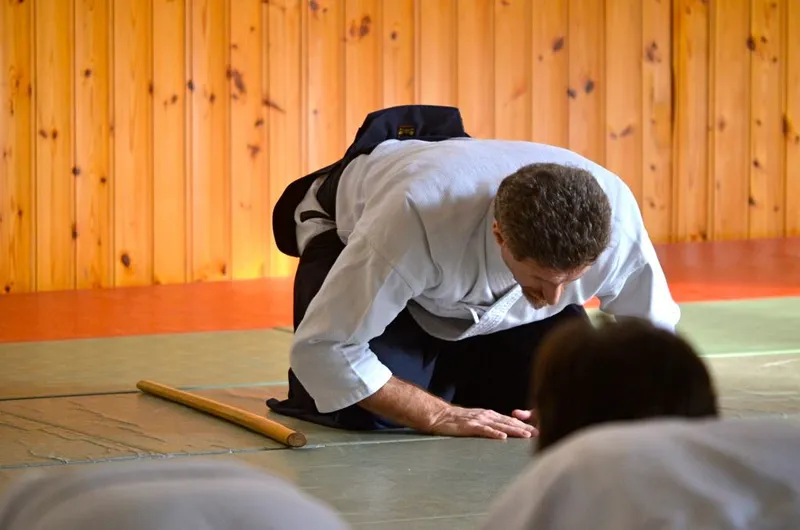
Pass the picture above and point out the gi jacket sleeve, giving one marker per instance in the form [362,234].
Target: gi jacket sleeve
[636,287]
[383,266]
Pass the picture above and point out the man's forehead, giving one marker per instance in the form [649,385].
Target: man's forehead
[535,272]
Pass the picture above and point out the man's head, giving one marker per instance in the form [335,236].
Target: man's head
[551,222]
[585,376]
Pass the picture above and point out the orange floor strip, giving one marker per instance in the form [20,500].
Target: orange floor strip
[696,272]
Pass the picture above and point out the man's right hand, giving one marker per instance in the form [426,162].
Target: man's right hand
[413,407]
[458,421]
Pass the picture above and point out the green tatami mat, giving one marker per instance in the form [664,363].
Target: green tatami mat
[88,366]
[752,327]
[429,483]
[90,429]
[758,386]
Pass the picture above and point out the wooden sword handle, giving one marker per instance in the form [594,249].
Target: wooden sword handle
[271,429]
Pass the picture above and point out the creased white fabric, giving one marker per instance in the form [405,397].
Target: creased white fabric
[161,495]
[416,218]
[727,474]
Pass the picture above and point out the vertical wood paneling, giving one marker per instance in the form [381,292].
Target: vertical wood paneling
[211,185]
[147,141]
[766,119]
[398,52]
[550,72]
[657,109]
[285,110]
[512,58]
[249,142]
[475,66]
[437,57]
[132,137]
[730,99]
[326,83]
[94,228]
[169,121]
[586,83]
[363,82]
[791,118]
[17,178]
[692,62]
[55,161]
[623,101]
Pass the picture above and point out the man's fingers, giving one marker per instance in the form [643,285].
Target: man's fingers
[517,432]
[516,423]
[511,427]
[523,415]
[490,432]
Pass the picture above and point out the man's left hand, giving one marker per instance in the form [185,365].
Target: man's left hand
[528,416]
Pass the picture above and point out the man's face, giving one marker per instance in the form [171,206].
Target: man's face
[540,286]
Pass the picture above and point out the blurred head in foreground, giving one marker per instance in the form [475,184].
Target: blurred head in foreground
[586,375]
[161,495]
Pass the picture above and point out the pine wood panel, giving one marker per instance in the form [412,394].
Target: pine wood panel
[56,230]
[363,87]
[550,72]
[132,140]
[398,44]
[437,55]
[326,82]
[587,84]
[623,102]
[211,126]
[512,72]
[93,198]
[657,111]
[147,141]
[691,187]
[171,118]
[249,231]
[766,118]
[791,117]
[730,114]
[17,177]
[284,100]
[476,65]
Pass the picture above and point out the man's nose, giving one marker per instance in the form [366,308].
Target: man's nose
[553,294]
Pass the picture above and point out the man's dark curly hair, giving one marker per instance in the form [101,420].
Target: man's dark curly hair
[557,216]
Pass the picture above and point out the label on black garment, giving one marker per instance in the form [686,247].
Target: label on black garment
[406,130]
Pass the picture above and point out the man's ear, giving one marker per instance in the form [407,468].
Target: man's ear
[498,235]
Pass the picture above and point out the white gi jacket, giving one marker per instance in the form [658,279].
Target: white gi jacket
[729,474]
[181,494]
[417,221]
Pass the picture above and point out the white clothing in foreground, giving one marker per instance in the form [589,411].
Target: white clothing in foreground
[667,475]
[416,218]
[161,495]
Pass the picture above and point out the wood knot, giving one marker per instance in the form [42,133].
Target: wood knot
[125,260]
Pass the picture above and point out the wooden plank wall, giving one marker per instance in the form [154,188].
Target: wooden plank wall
[146,141]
